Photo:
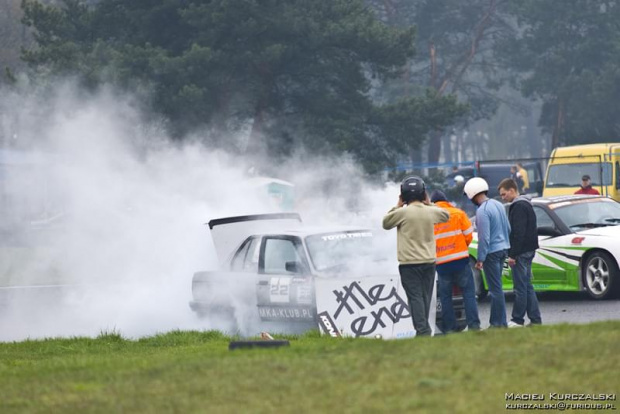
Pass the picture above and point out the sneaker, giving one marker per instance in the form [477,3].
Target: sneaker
[513,324]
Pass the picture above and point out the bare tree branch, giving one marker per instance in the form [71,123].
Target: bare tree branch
[469,56]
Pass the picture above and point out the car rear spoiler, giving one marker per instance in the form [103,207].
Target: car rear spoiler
[255,217]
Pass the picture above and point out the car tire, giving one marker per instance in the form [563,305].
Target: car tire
[601,277]
[221,318]
[481,291]
[257,344]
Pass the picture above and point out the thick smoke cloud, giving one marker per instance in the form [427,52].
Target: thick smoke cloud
[119,213]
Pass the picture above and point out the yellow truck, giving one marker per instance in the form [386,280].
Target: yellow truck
[567,165]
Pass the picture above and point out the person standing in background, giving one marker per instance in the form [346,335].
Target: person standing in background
[452,240]
[523,245]
[493,243]
[414,219]
[523,175]
[516,176]
[586,186]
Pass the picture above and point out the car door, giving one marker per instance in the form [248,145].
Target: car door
[285,287]
[548,267]
[230,292]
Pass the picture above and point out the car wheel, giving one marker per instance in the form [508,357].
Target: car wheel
[481,291]
[221,318]
[600,276]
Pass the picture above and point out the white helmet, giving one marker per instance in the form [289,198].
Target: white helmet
[475,186]
[459,178]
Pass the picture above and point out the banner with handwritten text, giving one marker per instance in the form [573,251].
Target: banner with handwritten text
[370,306]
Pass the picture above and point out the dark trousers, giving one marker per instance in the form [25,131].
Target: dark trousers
[417,280]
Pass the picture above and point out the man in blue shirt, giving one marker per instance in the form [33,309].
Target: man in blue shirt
[493,242]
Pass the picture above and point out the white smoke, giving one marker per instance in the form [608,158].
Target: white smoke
[121,225]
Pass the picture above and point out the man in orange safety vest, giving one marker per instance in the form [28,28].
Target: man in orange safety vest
[452,240]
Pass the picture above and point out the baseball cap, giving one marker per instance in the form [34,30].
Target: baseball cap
[585,177]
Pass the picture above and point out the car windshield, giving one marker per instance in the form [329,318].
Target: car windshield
[569,175]
[337,251]
[590,213]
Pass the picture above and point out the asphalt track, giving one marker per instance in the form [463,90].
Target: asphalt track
[41,316]
[562,307]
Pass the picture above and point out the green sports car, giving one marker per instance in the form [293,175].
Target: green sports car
[579,239]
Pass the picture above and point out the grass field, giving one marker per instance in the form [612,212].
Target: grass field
[193,372]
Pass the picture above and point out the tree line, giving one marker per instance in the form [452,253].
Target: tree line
[377,79]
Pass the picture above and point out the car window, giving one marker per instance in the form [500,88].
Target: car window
[590,212]
[251,259]
[333,251]
[239,258]
[277,253]
[543,219]
[569,175]
[246,258]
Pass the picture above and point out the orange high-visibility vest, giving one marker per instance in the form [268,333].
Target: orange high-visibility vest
[453,238]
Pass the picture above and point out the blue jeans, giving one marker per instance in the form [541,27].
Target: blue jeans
[525,297]
[492,267]
[464,278]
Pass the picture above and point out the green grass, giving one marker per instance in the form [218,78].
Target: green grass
[185,372]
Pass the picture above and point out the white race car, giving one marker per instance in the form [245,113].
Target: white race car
[579,239]
[273,271]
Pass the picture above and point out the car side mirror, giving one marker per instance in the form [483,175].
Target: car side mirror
[294,267]
[549,231]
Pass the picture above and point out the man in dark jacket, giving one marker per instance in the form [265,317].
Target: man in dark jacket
[523,245]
